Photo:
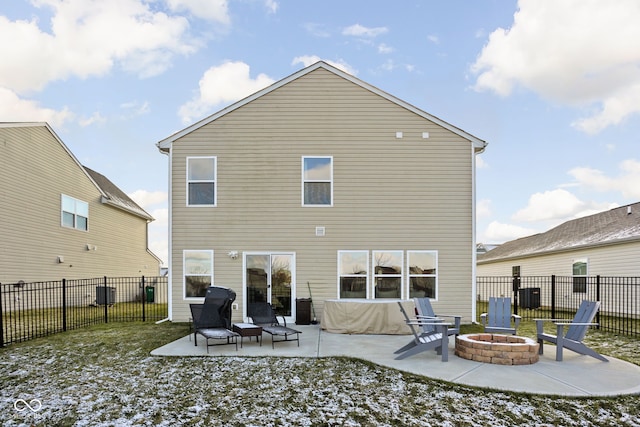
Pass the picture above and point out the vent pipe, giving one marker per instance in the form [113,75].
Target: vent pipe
[628,210]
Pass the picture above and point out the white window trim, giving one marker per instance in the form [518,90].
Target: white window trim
[367,271]
[184,273]
[409,275]
[584,260]
[303,181]
[215,181]
[75,214]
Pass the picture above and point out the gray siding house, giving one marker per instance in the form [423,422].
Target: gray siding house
[322,185]
[60,219]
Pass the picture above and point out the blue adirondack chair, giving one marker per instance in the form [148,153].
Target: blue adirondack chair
[498,318]
[433,336]
[576,331]
[425,310]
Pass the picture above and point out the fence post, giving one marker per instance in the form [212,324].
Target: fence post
[516,292]
[64,304]
[1,325]
[106,300]
[598,299]
[553,296]
[144,298]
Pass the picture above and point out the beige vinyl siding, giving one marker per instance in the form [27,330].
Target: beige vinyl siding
[389,194]
[36,170]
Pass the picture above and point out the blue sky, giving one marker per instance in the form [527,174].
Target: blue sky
[552,85]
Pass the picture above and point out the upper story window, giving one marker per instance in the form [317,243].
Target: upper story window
[423,274]
[317,181]
[75,213]
[580,275]
[201,181]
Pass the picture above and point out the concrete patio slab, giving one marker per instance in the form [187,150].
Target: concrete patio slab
[577,375]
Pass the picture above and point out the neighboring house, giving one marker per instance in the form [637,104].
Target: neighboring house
[604,244]
[60,219]
[322,185]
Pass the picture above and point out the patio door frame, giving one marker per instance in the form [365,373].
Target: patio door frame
[270,255]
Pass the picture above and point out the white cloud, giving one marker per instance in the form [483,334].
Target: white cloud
[433,39]
[480,163]
[211,10]
[576,52]
[94,118]
[358,30]
[88,38]
[497,232]
[307,60]
[224,83]
[317,30]
[147,199]
[625,183]
[271,5]
[550,205]
[383,48]
[14,109]
[483,208]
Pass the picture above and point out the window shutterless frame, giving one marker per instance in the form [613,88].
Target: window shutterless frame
[74,213]
[197,272]
[202,181]
[422,272]
[353,274]
[317,181]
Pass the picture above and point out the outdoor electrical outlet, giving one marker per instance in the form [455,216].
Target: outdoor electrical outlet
[234,306]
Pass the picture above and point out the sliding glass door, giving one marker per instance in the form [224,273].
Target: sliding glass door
[270,277]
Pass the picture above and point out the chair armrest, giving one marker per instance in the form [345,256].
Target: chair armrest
[284,321]
[576,323]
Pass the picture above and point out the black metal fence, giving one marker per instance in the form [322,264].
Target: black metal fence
[558,297]
[31,310]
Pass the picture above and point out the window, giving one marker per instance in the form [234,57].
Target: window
[423,274]
[201,181]
[198,272]
[353,268]
[387,274]
[75,213]
[580,275]
[317,181]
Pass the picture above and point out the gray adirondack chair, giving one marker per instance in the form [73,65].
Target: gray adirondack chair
[433,337]
[576,331]
[424,309]
[498,318]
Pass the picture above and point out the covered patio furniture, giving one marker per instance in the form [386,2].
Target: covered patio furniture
[262,314]
[425,310]
[212,319]
[498,318]
[434,336]
[576,331]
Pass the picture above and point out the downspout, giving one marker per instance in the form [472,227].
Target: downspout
[169,154]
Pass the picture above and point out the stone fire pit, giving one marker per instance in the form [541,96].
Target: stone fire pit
[497,349]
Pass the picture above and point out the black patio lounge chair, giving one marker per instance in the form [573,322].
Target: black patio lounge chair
[262,314]
[434,336]
[498,317]
[212,319]
[576,332]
